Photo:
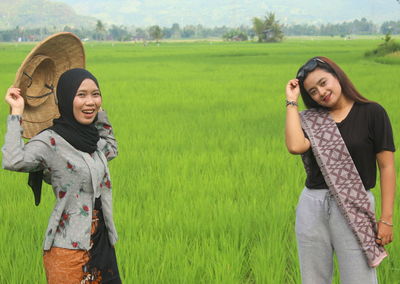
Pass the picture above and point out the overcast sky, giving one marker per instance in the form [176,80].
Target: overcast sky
[233,12]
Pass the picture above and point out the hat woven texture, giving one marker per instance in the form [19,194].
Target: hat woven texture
[38,75]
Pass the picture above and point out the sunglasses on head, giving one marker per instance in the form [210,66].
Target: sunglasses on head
[308,67]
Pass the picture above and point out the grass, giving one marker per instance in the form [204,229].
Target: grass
[392,58]
[204,189]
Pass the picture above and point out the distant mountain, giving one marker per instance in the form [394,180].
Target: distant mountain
[234,12]
[40,13]
[143,13]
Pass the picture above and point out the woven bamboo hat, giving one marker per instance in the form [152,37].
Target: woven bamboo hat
[38,75]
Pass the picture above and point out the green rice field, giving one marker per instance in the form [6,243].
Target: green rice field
[204,188]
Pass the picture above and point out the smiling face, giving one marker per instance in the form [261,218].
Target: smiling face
[87,102]
[323,88]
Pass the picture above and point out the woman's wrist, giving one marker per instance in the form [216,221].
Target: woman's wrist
[387,218]
[293,99]
[17,111]
[292,103]
[386,222]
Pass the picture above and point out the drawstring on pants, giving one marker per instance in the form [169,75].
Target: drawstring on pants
[327,202]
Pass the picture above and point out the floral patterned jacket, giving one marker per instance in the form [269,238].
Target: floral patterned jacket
[76,177]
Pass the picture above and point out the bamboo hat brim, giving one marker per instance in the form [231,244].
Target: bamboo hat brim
[38,75]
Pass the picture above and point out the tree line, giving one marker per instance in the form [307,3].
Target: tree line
[267,29]
[357,27]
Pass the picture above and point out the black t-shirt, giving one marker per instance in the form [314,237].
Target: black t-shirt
[366,131]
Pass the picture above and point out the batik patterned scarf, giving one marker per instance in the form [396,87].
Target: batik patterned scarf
[343,180]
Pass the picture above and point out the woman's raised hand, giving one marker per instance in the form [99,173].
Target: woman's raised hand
[15,100]
[293,90]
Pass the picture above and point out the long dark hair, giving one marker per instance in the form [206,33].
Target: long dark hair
[348,89]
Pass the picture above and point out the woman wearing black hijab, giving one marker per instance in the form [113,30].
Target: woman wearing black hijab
[72,156]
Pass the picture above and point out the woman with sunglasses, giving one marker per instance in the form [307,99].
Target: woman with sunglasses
[322,220]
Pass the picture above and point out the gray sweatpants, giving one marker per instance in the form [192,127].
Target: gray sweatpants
[322,230]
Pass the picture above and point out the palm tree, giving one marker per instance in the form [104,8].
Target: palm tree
[268,30]
[100,30]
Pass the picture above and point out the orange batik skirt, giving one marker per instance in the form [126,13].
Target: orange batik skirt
[98,265]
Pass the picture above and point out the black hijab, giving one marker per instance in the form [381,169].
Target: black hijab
[80,136]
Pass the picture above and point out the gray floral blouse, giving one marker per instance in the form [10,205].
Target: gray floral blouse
[77,179]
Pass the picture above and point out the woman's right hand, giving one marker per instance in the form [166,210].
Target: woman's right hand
[293,90]
[15,100]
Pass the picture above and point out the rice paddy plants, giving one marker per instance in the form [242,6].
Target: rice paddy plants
[204,188]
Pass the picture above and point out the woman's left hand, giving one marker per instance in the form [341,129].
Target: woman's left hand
[385,234]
